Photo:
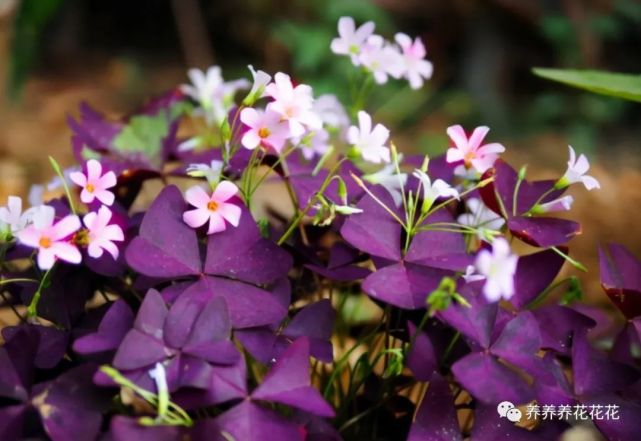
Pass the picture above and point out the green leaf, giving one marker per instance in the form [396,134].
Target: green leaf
[143,134]
[619,85]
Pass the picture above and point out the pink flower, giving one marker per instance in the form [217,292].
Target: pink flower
[351,40]
[266,128]
[369,143]
[416,67]
[51,239]
[94,184]
[101,235]
[214,208]
[293,104]
[382,59]
[471,151]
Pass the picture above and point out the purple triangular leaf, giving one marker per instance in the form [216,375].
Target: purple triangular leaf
[167,246]
[436,416]
[404,284]
[288,382]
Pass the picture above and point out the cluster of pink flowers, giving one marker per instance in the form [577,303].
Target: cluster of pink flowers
[60,238]
[405,58]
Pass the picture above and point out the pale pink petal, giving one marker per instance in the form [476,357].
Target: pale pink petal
[231,213]
[104,216]
[196,218]
[216,223]
[29,236]
[108,180]
[66,252]
[364,31]
[94,170]
[89,220]
[458,136]
[66,227]
[250,117]
[224,191]
[364,122]
[78,178]
[46,259]
[346,26]
[250,140]
[197,197]
[403,40]
[43,217]
[582,165]
[86,196]
[477,137]
[493,147]
[590,182]
[106,197]
[95,249]
[454,155]
[113,233]
[112,249]
[380,134]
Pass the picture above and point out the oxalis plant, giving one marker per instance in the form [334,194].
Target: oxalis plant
[390,297]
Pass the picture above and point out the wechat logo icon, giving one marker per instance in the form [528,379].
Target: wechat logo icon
[507,410]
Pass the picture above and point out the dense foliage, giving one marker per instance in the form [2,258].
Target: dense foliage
[397,297]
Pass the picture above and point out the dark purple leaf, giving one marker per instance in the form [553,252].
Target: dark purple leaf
[543,232]
[534,273]
[405,285]
[166,247]
[421,359]
[288,382]
[621,278]
[374,231]
[436,417]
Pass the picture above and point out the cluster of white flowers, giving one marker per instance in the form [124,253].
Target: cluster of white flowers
[403,58]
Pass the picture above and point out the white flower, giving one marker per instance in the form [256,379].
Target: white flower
[313,143]
[159,375]
[369,143]
[480,217]
[392,182]
[351,40]
[260,80]
[576,172]
[212,93]
[561,204]
[499,267]
[331,112]
[433,190]
[12,214]
[382,59]
[471,275]
[211,172]
[347,210]
[101,234]
[416,66]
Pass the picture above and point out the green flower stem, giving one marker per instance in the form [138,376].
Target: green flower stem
[309,205]
[58,170]
[174,416]
[32,309]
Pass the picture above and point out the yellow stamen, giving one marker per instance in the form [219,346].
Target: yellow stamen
[263,132]
[90,188]
[212,206]
[44,242]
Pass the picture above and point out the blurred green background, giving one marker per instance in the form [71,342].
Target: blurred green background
[115,54]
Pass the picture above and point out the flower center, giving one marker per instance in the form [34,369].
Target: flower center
[44,242]
[212,206]
[263,132]
[81,238]
[469,156]
[90,188]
